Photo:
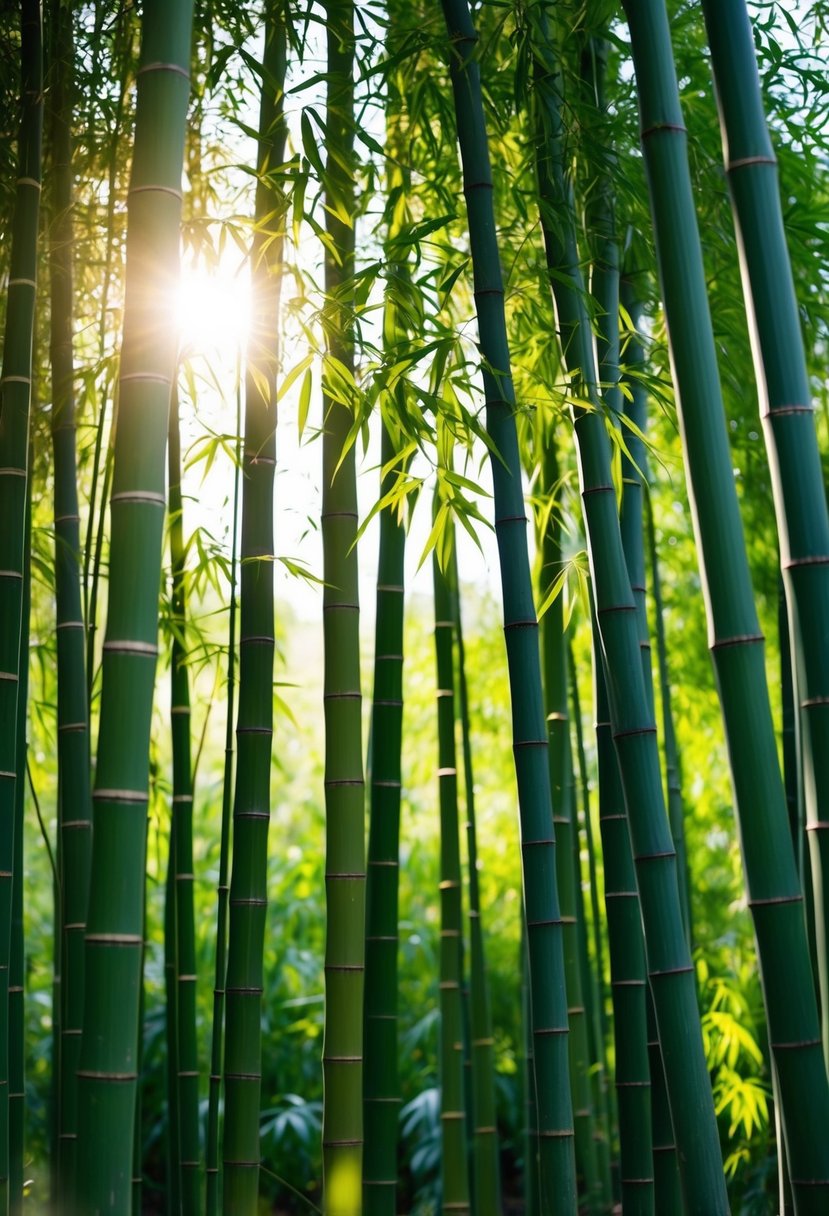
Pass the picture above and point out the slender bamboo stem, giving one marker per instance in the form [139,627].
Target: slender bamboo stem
[486,1165]
[342,1131]
[670,968]
[254,729]
[15,400]
[107,1077]
[17,952]
[787,412]
[381,1085]
[217,1027]
[187,1060]
[454,1174]
[74,782]
[554,652]
[774,894]
[544,927]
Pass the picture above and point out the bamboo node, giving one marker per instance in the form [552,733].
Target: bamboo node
[29,181]
[776,899]
[157,377]
[121,795]
[146,650]
[155,189]
[564,1134]
[150,497]
[794,1046]
[668,971]
[676,128]
[743,162]
[164,67]
[21,283]
[740,639]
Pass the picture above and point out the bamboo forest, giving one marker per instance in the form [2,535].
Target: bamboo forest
[420,805]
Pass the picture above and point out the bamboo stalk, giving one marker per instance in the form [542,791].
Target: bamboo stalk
[217,1026]
[554,654]
[544,928]
[670,968]
[107,1077]
[381,1085]
[486,1165]
[342,1131]
[787,412]
[187,1060]
[74,782]
[254,729]
[736,643]
[454,1175]
[15,400]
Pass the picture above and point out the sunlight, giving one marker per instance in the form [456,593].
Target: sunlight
[213,310]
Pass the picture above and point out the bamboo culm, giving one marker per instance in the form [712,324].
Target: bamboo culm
[544,928]
[342,1061]
[15,401]
[774,894]
[788,415]
[107,1074]
[454,1175]
[247,902]
[74,782]
[670,968]
[223,890]
[486,1166]
[183,921]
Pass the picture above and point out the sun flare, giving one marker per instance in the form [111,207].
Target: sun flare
[213,310]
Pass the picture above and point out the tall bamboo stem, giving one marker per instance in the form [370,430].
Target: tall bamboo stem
[787,412]
[736,642]
[15,400]
[254,728]
[544,927]
[115,923]
[486,1165]
[342,1132]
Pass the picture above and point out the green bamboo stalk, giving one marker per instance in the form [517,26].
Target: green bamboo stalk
[628,970]
[454,1174]
[554,652]
[737,646]
[670,968]
[530,1131]
[791,777]
[170,1027]
[787,411]
[74,782]
[667,1188]
[676,810]
[254,729]
[123,55]
[15,398]
[342,1130]
[486,1166]
[115,923]
[598,970]
[187,1059]
[381,1099]
[636,506]
[381,1086]
[217,1027]
[544,928]
[17,952]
